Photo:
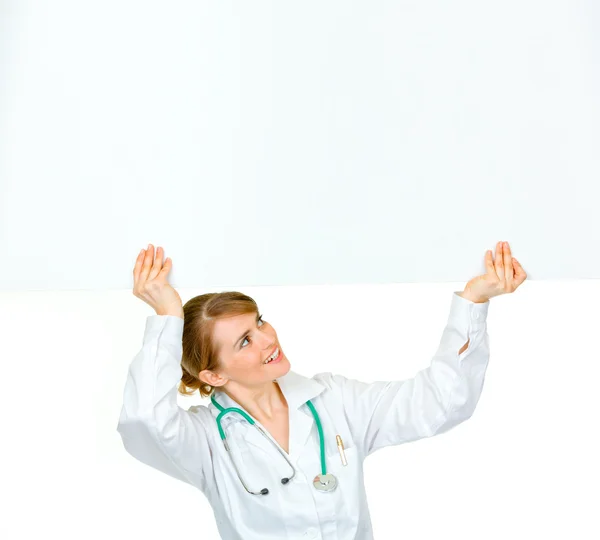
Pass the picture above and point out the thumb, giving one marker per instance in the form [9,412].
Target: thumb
[519,272]
[489,262]
[166,266]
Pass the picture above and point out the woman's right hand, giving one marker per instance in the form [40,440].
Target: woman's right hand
[150,283]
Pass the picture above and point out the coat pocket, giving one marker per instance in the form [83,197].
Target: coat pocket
[350,487]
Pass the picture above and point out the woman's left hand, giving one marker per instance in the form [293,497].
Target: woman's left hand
[504,275]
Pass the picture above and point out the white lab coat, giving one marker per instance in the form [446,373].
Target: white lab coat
[186,445]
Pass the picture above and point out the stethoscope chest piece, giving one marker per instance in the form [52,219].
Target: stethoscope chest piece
[322,482]
[325,482]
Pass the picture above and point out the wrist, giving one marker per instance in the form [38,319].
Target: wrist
[468,295]
[173,312]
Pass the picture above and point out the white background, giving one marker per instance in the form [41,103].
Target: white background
[525,465]
[346,164]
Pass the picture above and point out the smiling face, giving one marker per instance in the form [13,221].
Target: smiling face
[244,343]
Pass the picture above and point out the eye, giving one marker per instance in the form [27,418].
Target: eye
[260,319]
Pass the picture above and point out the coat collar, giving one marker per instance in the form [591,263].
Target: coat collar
[297,390]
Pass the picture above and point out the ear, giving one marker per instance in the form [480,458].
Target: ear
[211,378]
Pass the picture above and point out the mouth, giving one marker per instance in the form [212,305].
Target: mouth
[271,360]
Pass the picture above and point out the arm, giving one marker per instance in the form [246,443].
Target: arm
[467,295]
[439,397]
[154,429]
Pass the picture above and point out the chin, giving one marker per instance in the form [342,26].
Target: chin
[285,369]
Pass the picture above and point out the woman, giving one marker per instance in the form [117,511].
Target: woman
[302,476]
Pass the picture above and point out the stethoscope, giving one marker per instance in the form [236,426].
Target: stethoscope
[321,482]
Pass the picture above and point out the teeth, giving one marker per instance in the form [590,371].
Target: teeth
[273,356]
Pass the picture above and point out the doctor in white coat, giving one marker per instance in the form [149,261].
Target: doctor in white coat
[280,455]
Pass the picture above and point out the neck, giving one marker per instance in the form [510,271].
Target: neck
[264,402]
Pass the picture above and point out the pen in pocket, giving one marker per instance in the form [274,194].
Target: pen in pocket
[340,444]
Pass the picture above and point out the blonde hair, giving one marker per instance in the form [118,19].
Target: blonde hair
[200,351]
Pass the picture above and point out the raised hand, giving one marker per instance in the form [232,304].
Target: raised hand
[504,275]
[150,283]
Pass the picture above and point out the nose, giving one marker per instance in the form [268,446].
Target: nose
[270,343]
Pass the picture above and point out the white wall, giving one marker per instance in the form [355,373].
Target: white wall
[293,143]
[525,465]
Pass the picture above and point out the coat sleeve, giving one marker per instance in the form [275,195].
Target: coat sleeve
[154,428]
[439,397]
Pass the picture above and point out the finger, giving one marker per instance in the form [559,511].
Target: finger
[146,265]
[498,262]
[508,265]
[158,263]
[138,266]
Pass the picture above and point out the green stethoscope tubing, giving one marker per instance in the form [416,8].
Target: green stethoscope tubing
[224,411]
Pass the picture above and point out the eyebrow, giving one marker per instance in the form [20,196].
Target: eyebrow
[245,333]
